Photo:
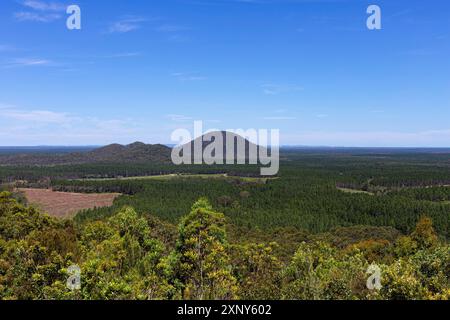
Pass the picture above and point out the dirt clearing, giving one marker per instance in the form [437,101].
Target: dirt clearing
[66,204]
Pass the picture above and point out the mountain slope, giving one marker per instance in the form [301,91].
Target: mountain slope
[137,152]
[242,149]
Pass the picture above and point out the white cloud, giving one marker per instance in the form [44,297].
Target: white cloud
[125,55]
[127,24]
[26,62]
[188,76]
[36,17]
[44,5]
[279,118]
[5,106]
[41,11]
[430,138]
[37,127]
[123,27]
[178,118]
[35,116]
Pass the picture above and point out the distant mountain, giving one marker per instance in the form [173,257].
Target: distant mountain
[137,152]
[205,144]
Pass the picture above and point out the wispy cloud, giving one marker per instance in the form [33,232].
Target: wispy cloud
[126,24]
[131,23]
[26,62]
[41,11]
[279,118]
[19,126]
[429,138]
[400,13]
[5,106]
[36,116]
[44,5]
[188,76]
[36,17]
[274,89]
[124,55]
[178,118]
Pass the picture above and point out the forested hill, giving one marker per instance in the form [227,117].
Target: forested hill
[238,147]
[137,152]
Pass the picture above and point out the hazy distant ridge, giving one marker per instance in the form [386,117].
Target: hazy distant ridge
[114,153]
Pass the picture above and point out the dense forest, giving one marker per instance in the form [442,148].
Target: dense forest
[313,192]
[114,153]
[127,256]
[223,232]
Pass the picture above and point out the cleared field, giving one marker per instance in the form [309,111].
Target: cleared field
[183,176]
[354,191]
[65,204]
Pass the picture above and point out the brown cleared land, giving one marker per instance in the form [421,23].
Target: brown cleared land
[65,204]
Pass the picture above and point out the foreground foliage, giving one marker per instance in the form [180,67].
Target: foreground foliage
[128,256]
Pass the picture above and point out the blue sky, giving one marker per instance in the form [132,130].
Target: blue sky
[139,69]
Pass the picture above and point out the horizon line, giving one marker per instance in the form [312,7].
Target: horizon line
[281,146]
